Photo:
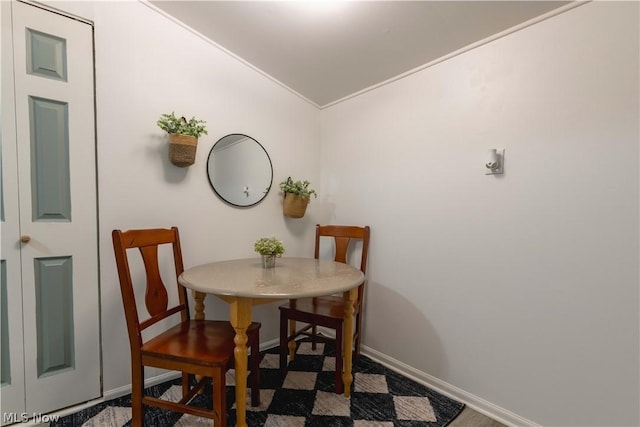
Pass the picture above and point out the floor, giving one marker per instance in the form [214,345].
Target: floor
[467,418]
[470,418]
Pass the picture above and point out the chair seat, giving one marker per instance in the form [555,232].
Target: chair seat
[203,342]
[327,306]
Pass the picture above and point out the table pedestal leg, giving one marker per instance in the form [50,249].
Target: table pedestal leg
[199,315]
[199,297]
[240,314]
[347,377]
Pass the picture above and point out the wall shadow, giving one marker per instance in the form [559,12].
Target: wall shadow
[396,327]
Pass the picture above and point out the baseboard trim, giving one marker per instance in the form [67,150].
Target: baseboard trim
[495,412]
[106,396]
[149,382]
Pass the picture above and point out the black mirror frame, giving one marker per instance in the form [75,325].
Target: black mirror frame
[211,179]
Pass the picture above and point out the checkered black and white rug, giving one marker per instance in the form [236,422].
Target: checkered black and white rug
[301,397]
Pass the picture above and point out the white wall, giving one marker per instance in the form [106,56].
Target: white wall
[520,289]
[147,65]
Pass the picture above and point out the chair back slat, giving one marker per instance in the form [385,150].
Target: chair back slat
[156,298]
[341,247]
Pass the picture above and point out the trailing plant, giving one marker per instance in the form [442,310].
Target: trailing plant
[301,188]
[269,246]
[180,125]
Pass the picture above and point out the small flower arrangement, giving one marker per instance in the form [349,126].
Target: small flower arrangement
[180,125]
[269,246]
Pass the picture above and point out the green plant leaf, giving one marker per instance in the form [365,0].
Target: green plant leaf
[301,188]
[172,124]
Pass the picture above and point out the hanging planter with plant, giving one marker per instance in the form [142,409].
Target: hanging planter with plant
[183,137]
[297,195]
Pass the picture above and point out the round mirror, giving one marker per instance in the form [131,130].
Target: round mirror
[239,170]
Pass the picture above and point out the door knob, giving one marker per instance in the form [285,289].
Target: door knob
[25,239]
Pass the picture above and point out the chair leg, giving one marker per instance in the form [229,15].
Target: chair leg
[185,384]
[314,331]
[137,384]
[339,386]
[358,333]
[254,362]
[283,340]
[219,396]
[292,341]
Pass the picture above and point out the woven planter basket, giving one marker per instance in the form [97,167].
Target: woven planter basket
[182,149]
[295,206]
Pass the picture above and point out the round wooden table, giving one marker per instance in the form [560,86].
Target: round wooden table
[243,283]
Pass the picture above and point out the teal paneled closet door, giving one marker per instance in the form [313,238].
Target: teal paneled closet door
[50,293]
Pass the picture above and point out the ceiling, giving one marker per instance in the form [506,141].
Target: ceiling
[326,51]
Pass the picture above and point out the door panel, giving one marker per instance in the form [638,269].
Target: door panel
[12,391]
[54,122]
[54,309]
[46,55]
[50,186]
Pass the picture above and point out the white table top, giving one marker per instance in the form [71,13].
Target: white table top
[290,278]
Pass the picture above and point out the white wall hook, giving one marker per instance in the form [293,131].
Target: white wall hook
[495,161]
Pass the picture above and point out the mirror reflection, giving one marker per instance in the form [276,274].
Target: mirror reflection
[239,170]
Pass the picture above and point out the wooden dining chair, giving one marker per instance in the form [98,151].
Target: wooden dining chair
[195,347]
[327,311]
